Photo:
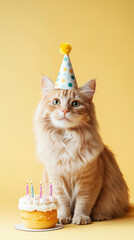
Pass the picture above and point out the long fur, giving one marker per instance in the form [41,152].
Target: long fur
[86,178]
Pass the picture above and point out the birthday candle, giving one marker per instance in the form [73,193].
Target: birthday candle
[40,190]
[27,188]
[51,189]
[32,190]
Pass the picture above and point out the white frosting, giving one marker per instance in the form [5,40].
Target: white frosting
[36,203]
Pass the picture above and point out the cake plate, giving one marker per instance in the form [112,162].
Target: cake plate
[22,228]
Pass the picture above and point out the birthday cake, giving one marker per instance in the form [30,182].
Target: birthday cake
[38,211]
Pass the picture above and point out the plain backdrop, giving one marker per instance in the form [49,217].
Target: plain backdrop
[101,33]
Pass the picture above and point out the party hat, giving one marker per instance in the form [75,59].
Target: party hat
[66,78]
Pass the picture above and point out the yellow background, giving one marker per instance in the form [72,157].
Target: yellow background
[101,33]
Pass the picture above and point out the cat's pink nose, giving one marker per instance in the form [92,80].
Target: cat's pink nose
[65,111]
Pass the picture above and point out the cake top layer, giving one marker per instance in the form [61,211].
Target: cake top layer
[44,204]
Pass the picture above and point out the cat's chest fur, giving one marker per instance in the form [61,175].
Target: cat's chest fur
[67,146]
[69,142]
[66,152]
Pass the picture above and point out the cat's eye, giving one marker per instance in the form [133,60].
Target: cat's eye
[75,103]
[56,101]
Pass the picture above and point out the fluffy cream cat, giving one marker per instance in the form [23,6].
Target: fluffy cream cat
[86,178]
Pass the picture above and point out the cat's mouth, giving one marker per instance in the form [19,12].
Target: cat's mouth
[64,118]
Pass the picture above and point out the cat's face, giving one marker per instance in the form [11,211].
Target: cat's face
[66,108]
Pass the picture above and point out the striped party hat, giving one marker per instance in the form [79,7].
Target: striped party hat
[66,78]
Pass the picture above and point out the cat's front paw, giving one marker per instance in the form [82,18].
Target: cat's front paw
[64,219]
[81,219]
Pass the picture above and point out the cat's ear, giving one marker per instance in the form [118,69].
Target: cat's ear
[46,85]
[88,89]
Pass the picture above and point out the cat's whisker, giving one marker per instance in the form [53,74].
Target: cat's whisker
[81,124]
[78,125]
[45,121]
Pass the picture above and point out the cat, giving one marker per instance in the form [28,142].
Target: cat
[86,178]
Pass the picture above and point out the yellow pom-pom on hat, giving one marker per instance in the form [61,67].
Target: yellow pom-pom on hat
[65,48]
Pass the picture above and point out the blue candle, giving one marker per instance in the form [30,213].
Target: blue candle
[32,190]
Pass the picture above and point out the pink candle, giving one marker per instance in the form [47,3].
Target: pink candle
[40,190]
[51,189]
[27,188]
